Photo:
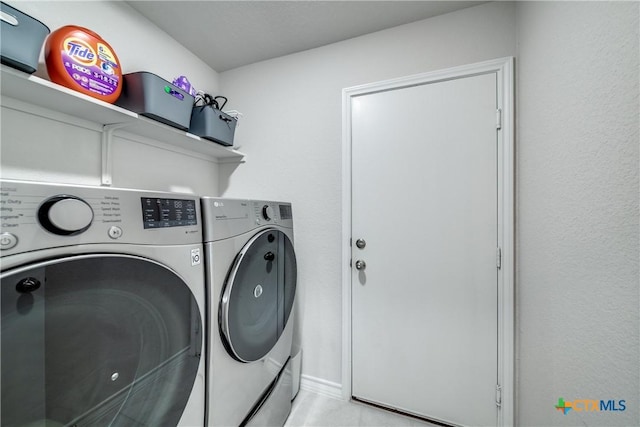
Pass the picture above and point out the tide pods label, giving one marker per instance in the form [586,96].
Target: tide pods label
[92,69]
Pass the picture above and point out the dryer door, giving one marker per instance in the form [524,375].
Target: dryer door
[97,340]
[258,295]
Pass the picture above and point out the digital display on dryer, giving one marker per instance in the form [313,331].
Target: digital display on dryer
[285,211]
[163,213]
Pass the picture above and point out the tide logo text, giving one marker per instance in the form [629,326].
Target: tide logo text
[80,51]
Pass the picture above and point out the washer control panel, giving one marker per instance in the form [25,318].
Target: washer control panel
[159,213]
[41,215]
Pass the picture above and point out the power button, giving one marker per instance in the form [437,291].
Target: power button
[7,241]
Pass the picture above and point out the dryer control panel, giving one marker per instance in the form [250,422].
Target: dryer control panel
[37,215]
[224,218]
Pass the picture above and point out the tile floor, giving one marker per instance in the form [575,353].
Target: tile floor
[311,409]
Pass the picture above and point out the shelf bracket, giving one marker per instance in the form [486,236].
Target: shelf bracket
[107,162]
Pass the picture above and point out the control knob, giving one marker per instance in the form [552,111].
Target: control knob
[267,212]
[65,215]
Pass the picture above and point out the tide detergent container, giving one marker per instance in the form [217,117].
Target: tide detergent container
[81,60]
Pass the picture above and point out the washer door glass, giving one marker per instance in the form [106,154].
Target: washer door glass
[97,340]
[258,295]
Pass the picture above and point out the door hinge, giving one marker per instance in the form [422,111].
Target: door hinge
[499,118]
[499,257]
[498,395]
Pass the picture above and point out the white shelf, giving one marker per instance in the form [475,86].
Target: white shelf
[43,93]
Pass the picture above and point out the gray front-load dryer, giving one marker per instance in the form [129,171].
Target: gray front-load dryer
[251,275]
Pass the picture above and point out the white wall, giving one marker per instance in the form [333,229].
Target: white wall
[291,132]
[577,183]
[577,167]
[43,149]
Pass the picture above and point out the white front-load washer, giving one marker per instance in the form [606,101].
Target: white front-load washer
[102,307]
[251,275]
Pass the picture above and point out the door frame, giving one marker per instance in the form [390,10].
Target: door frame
[504,68]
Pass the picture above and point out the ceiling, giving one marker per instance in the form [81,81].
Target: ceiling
[230,34]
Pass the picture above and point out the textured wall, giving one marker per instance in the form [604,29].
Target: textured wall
[577,182]
[292,136]
[577,253]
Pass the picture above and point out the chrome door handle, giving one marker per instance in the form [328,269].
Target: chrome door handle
[361,265]
[360,243]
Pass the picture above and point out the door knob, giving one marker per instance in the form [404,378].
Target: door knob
[360,265]
[360,243]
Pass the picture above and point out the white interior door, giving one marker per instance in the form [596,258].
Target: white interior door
[425,201]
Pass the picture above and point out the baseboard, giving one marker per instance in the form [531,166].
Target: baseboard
[320,386]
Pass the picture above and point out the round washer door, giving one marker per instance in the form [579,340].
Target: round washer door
[258,295]
[97,340]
